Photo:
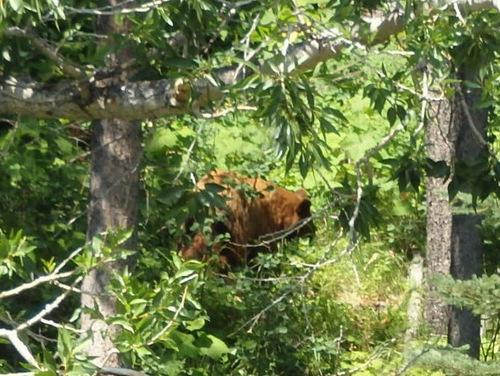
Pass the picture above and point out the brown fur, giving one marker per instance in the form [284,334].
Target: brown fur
[254,208]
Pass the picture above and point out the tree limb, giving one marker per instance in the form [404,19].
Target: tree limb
[126,101]
[46,278]
[468,5]
[54,276]
[109,98]
[48,308]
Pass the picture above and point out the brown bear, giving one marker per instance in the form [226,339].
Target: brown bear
[253,208]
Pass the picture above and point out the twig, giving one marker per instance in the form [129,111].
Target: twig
[64,286]
[54,276]
[171,322]
[188,157]
[267,239]
[121,371]
[470,121]
[320,265]
[118,9]
[425,101]
[48,308]
[36,282]
[61,326]
[364,160]
[12,335]
[226,111]
[301,280]
[68,259]
[253,321]
[412,361]
[37,337]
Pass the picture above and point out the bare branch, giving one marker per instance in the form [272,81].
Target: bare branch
[470,121]
[48,308]
[36,336]
[468,5]
[61,326]
[94,99]
[113,10]
[255,319]
[226,111]
[300,282]
[103,99]
[364,160]
[121,371]
[54,276]
[21,348]
[127,101]
[376,354]
[68,259]
[36,282]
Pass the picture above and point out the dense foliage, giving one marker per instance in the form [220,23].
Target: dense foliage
[335,304]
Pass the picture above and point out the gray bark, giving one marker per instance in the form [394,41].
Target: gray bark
[456,133]
[467,246]
[414,310]
[100,97]
[113,206]
[464,327]
[440,147]
[114,195]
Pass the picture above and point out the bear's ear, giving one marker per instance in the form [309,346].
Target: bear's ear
[302,193]
[304,208]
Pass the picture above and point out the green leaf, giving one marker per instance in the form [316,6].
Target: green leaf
[335,113]
[216,348]
[17,5]
[64,343]
[172,196]
[6,55]
[184,272]
[327,126]
[281,330]
[46,373]
[401,112]
[391,115]
[196,324]
[119,321]
[472,85]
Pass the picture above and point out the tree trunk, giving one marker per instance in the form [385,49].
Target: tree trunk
[440,140]
[464,327]
[454,243]
[414,310]
[114,193]
[467,247]
[113,206]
